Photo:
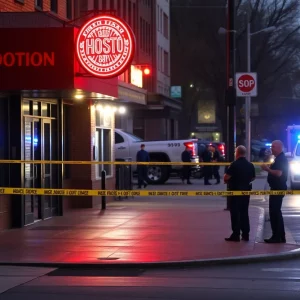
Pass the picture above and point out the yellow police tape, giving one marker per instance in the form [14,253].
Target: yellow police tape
[152,163]
[141,193]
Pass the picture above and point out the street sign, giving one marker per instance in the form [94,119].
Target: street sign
[246,84]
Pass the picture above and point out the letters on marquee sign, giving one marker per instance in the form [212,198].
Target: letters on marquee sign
[105,46]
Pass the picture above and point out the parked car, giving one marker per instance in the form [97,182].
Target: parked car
[127,145]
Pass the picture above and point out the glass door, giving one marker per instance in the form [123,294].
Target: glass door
[32,172]
[46,168]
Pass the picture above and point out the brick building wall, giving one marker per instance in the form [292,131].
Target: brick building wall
[29,5]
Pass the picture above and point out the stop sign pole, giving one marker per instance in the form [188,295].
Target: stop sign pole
[246,87]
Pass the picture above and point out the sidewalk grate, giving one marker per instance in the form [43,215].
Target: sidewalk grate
[101,272]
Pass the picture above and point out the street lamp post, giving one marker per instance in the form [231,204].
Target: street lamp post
[248,98]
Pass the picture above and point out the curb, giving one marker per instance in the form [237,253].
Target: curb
[171,264]
[174,264]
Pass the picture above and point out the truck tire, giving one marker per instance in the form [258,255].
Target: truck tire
[157,174]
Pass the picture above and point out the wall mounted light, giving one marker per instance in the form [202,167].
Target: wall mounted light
[110,108]
[122,110]
[78,96]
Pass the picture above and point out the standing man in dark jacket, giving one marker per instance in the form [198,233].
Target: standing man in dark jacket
[186,157]
[207,170]
[142,156]
[277,178]
[215,159]
[239,176]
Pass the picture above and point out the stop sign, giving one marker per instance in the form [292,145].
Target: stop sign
[246,84]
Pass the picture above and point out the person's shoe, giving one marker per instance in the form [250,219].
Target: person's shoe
[232,238]
[145,185]
[189,182]
[208,183]
[283,240]
[273,240]
[218,182]
[245,238]
[139,187]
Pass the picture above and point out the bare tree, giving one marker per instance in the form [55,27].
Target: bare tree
[275,56]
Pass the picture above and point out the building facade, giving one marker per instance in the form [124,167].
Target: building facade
[50,109]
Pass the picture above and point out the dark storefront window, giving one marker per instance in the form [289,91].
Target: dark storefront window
[103,141]
[4,141]
[66,140]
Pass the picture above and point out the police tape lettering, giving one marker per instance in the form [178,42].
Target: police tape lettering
[144,193]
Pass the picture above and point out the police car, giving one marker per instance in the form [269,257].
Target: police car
[295,168]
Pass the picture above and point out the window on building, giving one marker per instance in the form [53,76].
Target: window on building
[166,26]
[20,1]
[166,62]
[161,60]
[4,129]
[66,145]
[53,6]
[103,141]
[69,9]
[38,4]
[158,58]
[157,18]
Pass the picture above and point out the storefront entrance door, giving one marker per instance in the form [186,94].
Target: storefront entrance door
[37,146]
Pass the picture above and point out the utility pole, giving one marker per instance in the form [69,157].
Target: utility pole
[248,98]
[231,91]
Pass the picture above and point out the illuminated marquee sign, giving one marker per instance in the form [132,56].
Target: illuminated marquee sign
[105,46]
[27,59]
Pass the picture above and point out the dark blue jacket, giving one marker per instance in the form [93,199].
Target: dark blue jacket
[186,156]
[142,156]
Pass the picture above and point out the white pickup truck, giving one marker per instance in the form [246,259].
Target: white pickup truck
[127,145]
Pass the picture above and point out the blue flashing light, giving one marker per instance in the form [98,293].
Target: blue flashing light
[268,144]
[298,137]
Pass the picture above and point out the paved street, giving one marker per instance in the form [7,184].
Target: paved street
[277,280]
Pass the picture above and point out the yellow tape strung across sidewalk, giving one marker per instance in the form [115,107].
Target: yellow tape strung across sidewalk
[141,193]
[152,163]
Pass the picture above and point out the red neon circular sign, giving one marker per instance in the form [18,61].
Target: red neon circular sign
[105,46]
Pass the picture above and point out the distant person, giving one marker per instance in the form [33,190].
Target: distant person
[207,170]
[142,156]
[215,158]
[277,178]
[186,157]
[239,177]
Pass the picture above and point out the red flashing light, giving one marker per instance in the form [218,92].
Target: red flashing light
[191,146]
[147,71]
[222,149]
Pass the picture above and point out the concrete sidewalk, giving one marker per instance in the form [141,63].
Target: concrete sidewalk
[131,235]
